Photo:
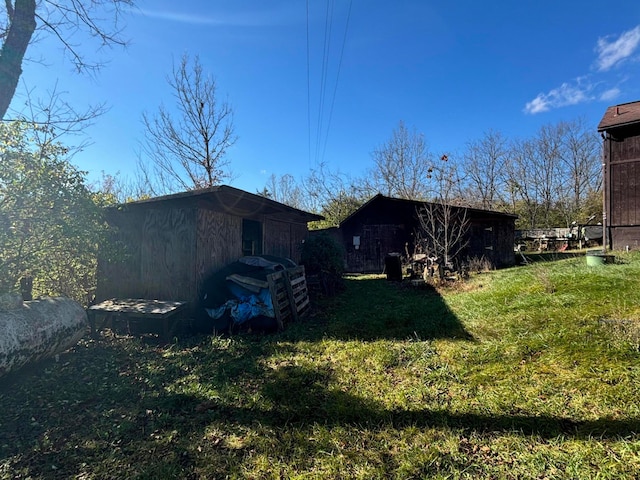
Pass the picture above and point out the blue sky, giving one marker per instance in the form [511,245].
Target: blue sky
[453,70]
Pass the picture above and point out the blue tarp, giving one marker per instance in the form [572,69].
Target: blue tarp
[239,293]
[245,306]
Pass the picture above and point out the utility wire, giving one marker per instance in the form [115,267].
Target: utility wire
[335,88]
[328,23]
[308,89]
[321,130]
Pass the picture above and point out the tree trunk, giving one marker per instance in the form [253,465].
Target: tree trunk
[39,329]
[22,25]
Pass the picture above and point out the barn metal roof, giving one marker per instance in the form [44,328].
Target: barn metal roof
[228,200]
[620,115]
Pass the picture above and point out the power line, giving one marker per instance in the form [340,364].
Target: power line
[308,88]
[328,23]
[321,130]
[335,88]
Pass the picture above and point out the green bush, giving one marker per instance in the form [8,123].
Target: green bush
[50,225]
[323,257]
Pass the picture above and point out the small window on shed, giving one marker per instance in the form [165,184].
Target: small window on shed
[251,237]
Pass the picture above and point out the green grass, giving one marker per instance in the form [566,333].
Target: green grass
[531,372]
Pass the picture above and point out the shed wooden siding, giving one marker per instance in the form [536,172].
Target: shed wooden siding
[156,246]
[170,252]
[493,239]
[376,241]
[168,245]
[120,276]
[219,242]
[165,249]
[283,239]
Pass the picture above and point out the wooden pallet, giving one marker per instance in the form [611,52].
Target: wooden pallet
[289,294]
[299,291]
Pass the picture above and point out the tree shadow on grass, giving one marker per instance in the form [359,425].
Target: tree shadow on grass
[375,309]
[304,396]
[170,411]
[110,406]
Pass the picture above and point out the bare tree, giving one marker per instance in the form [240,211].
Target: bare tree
[188,151]
[581,170]
[444,231]
[117,188]
[284,189]
[485,161]
[64,20]
[332,194]
[523,188]
[403,166]
[552,177]
[324,191]
[536,176]
[444,223]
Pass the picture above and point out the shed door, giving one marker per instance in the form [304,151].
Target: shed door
[251,237]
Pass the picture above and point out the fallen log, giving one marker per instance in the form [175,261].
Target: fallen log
[38,329]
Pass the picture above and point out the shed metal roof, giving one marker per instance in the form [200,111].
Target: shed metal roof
[620,115]
[228,200]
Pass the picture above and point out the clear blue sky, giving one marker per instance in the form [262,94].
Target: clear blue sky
[453,70]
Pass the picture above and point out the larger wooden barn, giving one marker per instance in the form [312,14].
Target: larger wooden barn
[166,247]
[620,127]
[386,225]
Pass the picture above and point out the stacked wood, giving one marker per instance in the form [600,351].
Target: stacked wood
[38,329]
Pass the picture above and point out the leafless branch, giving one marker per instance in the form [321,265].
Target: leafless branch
[188,150]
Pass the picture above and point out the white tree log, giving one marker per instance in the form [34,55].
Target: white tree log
[39,329]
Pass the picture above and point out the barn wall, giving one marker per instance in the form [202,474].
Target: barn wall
[624,189]
[299,233]
[387,226]
[622,180]
[625,193]
[493,239]
[376,242]
[625,147]
[167,253]
[621,237]
[481,241]
[504,241]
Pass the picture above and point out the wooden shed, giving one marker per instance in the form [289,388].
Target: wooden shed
[620,128]
[165,247]
[386,225]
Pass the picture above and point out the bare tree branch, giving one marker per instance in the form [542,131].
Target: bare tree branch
[485,162]
[64,20]
[54,118]
[444,230]
[187,151]
[403,166]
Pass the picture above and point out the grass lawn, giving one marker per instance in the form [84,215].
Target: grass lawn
[530,372]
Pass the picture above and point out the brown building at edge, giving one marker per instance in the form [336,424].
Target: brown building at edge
[165,247]
[384,225]
[620,128]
